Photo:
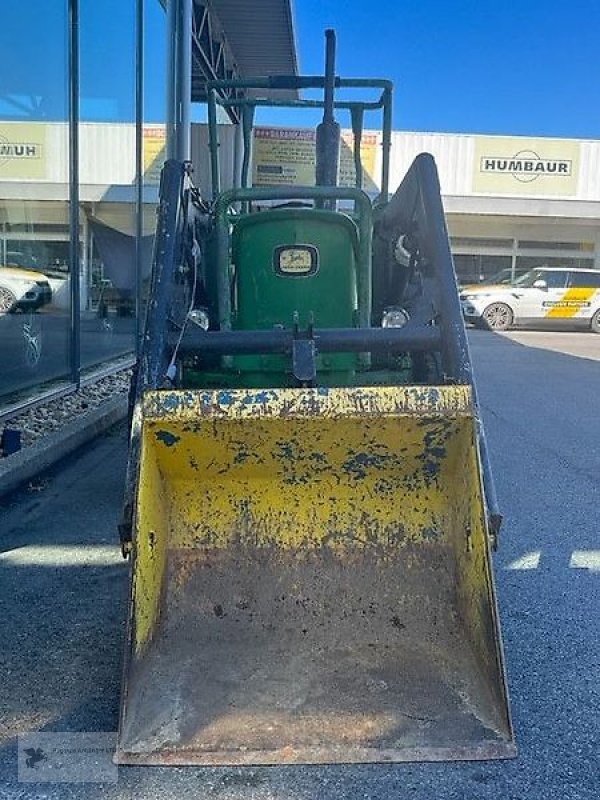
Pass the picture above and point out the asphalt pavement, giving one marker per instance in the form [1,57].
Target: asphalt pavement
[63,592]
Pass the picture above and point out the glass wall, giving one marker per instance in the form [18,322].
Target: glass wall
[572,255]
[154,129]
[42,344]
[474,268]
[35,292]
[502,260]
[107,112]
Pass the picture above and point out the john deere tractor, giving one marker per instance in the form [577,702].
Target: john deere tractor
[309,509]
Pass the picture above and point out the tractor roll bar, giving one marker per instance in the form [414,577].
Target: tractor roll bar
[300,82]
[231,93]
[348,105]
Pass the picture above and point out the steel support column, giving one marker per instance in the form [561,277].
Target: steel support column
[74,251]
[139,169]
[179,78]
[212,57]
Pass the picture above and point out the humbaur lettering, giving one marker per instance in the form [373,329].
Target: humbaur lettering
[19,150]
[525,166]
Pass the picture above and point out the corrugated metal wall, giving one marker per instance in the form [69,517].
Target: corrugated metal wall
[201,157]
[589,172]
[107,153]
[453,155]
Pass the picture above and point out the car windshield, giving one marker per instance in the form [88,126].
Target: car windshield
[531,277]
[17,260]
[504,276]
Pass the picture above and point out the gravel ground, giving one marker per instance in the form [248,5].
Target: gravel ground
[38,422]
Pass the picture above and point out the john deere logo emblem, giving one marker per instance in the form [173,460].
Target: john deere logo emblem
[296,260]
[526,166]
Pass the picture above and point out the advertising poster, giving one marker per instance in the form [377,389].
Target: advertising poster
[525,166]
[287,156]
[284,156]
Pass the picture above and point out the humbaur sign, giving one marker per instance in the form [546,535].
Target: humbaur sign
[22,151]
[525,166]
[18,150]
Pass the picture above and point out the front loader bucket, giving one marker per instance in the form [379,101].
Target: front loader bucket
[311,581]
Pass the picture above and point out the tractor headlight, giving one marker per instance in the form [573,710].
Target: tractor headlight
[199,316]
[394,318]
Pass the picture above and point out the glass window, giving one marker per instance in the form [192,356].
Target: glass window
[41,255]
[107,323]
[503,277]
[554,279]
[463,241]
[154,132]
[35,295]
[477,268]
[531,262]
[585,279]
[587,247]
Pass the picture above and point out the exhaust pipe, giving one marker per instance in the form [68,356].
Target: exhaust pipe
[328,131]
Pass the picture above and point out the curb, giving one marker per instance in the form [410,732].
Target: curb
[15,470]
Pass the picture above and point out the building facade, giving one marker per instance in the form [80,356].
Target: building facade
[81,151]
[87,92]
[514,202]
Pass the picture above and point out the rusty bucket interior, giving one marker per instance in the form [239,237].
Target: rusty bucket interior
[311,581]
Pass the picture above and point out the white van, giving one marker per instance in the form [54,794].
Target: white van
[550,297]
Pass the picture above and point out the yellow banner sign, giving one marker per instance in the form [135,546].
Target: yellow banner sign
[284,156]
[22,150]
[287,156]
[370,143]
[525,166]
[154,147]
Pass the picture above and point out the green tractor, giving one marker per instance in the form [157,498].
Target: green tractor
[309,510]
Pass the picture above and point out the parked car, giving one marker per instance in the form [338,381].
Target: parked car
[23,289]
[550,297]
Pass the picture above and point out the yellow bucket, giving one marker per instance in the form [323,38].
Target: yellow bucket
[311,581]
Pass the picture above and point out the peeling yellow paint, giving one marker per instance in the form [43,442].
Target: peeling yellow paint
[269,518]
[321,402]
[307,471]
[150,547]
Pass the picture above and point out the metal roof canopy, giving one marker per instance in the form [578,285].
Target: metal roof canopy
[237,38]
